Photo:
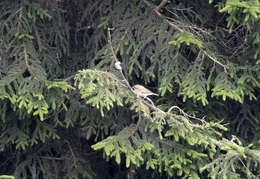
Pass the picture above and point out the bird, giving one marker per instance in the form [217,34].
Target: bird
[141,91]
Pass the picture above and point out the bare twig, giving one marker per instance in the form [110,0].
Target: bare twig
[122,38]
[202,120]
[110,44]
[53,158]
[187,115]
[26,58]
[72,153]
[115,58]
[153,107]
[174,26]
[215,60]
[161,5]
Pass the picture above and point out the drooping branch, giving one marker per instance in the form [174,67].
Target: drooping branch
[181,30]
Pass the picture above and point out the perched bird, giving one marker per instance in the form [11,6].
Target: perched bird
[139,90]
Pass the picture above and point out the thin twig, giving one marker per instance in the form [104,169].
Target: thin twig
[149,100]
[215,60]
[161,5]
[122,38]
[186,115]
[53,158]
[72,153]
[173,25]
[115,58]
[26,59]
[111,46]
[153,107]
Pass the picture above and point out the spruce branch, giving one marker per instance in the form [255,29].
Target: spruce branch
[161,5]
[112,76]
[187,116]
[183,30]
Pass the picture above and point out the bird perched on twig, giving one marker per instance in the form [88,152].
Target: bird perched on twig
[141,91]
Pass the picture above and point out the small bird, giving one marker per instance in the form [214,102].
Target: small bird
[139,90]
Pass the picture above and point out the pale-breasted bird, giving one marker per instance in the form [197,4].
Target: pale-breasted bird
[139,90]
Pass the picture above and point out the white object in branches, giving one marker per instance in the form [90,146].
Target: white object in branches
[118,65]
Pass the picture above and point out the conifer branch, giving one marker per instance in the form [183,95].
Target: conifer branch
[181,30]
[114,78]
[174,107]
[161,5]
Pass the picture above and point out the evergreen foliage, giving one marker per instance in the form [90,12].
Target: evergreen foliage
[68,112]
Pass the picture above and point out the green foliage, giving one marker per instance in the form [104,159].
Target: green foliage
[194,83]
[186,38]
[236,160]
[101,89]
[241,12]
[63,104]
[7,177]
[34,10]
[127,144]
[225,88]
[136,147]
